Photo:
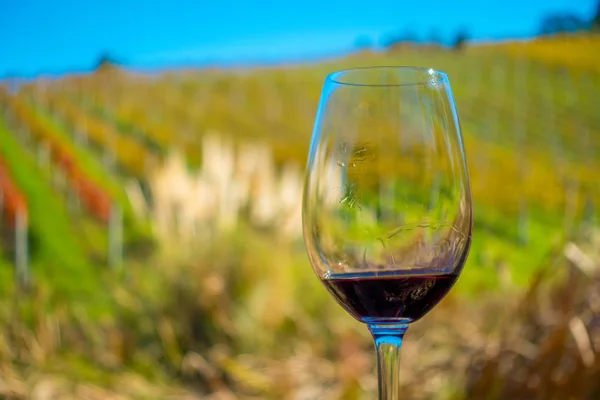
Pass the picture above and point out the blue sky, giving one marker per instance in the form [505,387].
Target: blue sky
[65,35]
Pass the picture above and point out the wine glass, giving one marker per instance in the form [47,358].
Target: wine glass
[387,214]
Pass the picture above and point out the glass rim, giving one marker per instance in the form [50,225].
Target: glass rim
[435,76]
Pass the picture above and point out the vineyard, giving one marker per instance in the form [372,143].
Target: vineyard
[150,223]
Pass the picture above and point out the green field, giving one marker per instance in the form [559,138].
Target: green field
[204,268]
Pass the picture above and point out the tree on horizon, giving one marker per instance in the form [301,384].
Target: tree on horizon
[595,25]
[106,61]
[562,23]
[394,38]
[462,36]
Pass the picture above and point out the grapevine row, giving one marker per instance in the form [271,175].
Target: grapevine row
[94,198]
[130,154]
[14,213]
[12,201]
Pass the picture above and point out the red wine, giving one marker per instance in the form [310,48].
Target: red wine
[396,298]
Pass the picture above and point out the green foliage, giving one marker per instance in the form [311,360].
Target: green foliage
[562,23]
[460,40]
[57,252]
[596,18]
[136,233]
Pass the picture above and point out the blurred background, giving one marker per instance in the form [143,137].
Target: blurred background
[151,166]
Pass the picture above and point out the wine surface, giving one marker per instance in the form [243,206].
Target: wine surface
[390,298]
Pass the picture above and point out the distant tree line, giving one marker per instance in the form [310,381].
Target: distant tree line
[570,23]
[434,38]
[106,61]
[551,25]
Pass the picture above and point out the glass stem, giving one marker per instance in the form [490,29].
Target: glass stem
[388,341]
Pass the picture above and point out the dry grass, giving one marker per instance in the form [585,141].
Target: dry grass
[221,328]
[548,347]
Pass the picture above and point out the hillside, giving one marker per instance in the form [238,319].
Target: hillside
[132,183]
